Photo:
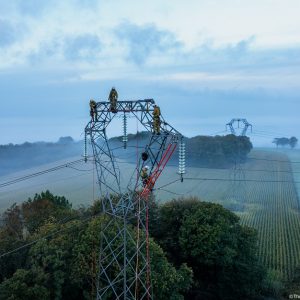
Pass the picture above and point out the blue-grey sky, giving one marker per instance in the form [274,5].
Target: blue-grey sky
[204,62]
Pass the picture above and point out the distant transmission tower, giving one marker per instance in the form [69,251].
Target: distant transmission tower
[237,188]
[243,128]
[124,260]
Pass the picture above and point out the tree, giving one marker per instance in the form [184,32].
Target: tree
[209,239]
[59,201]
[293,287]
[9,264]
[167,281]
[21,222]
[55,257]
[11,236]
[65,140]
[43,206]
[273,284]
[25,285]
[281,141]
[293,142]
[219,150]
[65,264]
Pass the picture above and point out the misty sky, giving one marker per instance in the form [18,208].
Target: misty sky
[203,61]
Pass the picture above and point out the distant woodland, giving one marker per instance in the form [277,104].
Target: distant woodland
[16,157]
[211,151]
[284,141]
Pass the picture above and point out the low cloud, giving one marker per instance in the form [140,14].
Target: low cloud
[79,48]
[82,47]
[143,41]
[33,7]
[8,34]
[239,49]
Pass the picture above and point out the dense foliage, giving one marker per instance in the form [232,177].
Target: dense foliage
[283,141]
[221,252]
[208,150]
[199,251]
[218,150]
[61,260]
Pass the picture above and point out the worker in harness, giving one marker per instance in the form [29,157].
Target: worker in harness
[93,110]
[145,175]
[113,98]
[156,119]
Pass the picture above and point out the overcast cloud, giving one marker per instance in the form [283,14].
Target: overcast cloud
[211,61]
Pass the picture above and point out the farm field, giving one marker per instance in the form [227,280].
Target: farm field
[78,183]
[267,200]
[273,209]
[294,157]
[263,195]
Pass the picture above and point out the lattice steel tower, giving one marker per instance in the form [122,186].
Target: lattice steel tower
[124,260]
[237,188]
[244,128]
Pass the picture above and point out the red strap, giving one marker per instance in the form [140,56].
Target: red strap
[159,168]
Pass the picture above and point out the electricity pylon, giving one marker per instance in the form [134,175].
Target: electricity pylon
[124,259]
[243,130]
[237,188]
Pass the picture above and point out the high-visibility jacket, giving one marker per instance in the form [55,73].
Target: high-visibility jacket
[156,111]
[93,104]
[113,95]
[144,174]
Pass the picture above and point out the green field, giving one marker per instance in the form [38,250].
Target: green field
[294,157]
[267,200]
[273,209]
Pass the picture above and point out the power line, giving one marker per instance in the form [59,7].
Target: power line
[32,242]
[248,170]
[271,133]
[171,192]
[222,155]
[163,186]
[50,182]
[241,180]
[275,160]
[29,176]
[222,179]
[254,158]
[80,170]
[159,188]
[70,165]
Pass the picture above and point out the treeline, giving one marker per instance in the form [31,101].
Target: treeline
[210,151]
[283,141]
[217,151]
[214,151]
[16,157]
[140,135]
[198,250]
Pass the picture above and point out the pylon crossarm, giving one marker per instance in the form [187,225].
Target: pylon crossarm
[246,124]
